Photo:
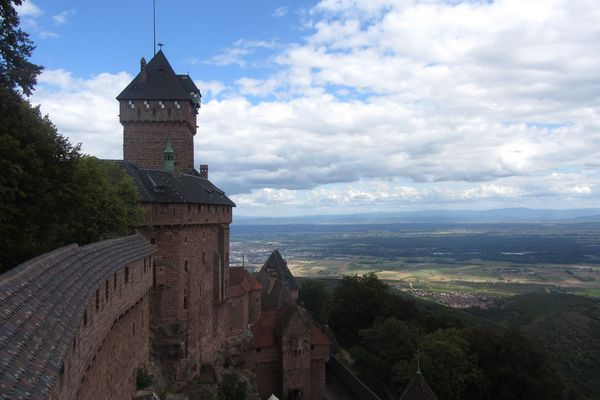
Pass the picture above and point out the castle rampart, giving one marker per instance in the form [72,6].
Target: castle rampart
[62,308]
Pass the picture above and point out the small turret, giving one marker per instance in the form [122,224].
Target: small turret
[169,157]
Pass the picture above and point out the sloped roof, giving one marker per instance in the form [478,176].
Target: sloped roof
[278,296]
[418,389]
[42,303]
[160,83]
[276,266]
[241,282]
[271,324]
[159,186]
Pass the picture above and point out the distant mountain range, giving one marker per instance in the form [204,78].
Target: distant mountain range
[503,215]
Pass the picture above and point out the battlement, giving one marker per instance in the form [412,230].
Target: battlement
[184,111]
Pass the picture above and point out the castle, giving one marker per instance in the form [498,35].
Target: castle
[78,322]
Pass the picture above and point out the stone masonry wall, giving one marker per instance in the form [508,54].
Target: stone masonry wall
[96,356]
[147,125]
[190,266]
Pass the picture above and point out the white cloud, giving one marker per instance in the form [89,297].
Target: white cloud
[48,35]
[63,17]
[29,9]
[392,104]
[280,12]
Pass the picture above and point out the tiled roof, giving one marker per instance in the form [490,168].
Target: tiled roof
[241,282]
[418,389]
[158,186]
[160,83]
[42,303]
[271,323]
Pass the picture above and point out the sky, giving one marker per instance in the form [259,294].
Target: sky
[349,106]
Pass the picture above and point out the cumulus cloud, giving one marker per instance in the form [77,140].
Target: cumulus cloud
[84,110]
[29,9]
[392,104]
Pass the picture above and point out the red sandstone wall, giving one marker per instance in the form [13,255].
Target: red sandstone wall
[148,124]
[105,348]
[188,320]
[254,310]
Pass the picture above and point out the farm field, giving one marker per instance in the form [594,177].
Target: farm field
[457,264]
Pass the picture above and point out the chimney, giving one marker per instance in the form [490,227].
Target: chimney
[204,171]
[143,73]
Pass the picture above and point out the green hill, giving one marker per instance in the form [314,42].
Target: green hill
[567,327]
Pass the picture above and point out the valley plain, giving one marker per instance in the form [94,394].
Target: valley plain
[457,264]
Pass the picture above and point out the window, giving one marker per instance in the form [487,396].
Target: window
[85,318]
[106,291]
[97,299]
[115,280]
[203,257]
[126,275]
[185,265]
[152,241]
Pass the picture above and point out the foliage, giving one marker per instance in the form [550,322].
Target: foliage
[315,298]
[49,194]
[143,379]
[356,302]
[379,350]
[448,363]
[462,356]
[566,327]
[15,48]
[104,202]
[233,388]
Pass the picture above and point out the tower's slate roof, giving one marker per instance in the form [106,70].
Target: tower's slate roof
[42,302]
[418,389]
[160,83]
[276,266]
[159,186]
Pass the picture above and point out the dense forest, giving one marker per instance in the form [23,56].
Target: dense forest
[50,193]
[462,355]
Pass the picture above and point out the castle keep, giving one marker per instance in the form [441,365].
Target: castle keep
[77,323]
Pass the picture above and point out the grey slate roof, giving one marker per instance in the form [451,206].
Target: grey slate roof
[42,302]
[158,186]
[161,83]
[276,298]
[418,389]
[276,266]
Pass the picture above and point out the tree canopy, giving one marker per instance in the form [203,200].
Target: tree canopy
[50,195]
[16,71]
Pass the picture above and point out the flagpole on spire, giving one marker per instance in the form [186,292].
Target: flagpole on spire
[154,23]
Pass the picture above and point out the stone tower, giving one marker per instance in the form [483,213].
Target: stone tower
[156,107]
[186,217]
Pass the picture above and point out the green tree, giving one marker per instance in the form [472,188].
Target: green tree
[448,364]
[517,369]
[103,202]
[16,72]
[356,303]
[315,298]
[380,349]
[49,194]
